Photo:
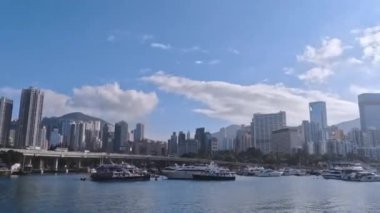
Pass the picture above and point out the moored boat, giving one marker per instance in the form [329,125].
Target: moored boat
[183,172]
[118,172]
[270,173]
[215,173]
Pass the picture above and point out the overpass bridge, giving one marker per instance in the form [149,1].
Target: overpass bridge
[56,160]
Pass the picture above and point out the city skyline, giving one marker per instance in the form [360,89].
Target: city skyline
[123,65]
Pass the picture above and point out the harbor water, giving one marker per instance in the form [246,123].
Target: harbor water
[66,193]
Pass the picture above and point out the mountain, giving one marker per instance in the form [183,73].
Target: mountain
[346,126]
[75,116]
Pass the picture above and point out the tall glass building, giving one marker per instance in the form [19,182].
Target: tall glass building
[369,108]
[318,125]
[263,126]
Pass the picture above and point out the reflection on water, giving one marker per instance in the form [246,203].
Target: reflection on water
[66,193]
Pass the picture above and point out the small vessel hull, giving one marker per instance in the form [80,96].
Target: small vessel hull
[213,178]
[97,177]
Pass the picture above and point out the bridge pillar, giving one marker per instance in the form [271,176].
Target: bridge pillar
[101,161]
[56,164]
[42,165]
[80,163]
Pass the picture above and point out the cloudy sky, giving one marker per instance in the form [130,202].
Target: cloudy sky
[181,65]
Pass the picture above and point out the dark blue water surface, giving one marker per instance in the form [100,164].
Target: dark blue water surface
[66,193]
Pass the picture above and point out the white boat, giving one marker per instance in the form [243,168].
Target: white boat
[332,174]
[289,172]
[367,177]
[183,172]
[252,171]
[269,173]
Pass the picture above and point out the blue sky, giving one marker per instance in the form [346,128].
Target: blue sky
[178,65]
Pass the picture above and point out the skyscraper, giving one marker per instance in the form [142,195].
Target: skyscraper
[30,115]
[369,109]
[318,125]
[264,124]
[6,107]
[173,144]
[121,135]
[105,137]
[138,134]
[200,138]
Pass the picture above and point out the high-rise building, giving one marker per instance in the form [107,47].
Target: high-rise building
[55,138]
[121,136]
[264,124]
[105,137]
[6,106]
[173,144]
[188,136]
[200,139]
[138,133]
[30,115]
[318,125]
[369,109]
[243,139]
[182,144]
[289,140]
[44,143]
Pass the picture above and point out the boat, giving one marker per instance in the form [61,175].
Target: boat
[332,174]
[252,171]
[342,172]
[119,172]
[289,172]
[367,177]
[183,171]
[270,173]
[215,173]
[300,172]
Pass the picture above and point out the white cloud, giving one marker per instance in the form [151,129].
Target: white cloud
[330,48]
[354,60]
[161,46]
[322,59]
[316,75]
[146,37]
[288,70]
[369,39]
[356,90]
[214,61]
[237,103]
[108,101]
[198,62]
[234,51]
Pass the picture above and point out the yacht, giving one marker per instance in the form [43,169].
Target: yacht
[344,172]
[289,172]
[367,177]
[122,172]
[252,171]
[183,171]
[332,174]
[270,173]
[215,173]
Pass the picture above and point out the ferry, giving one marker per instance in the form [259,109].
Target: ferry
[119,172]
[183,172]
